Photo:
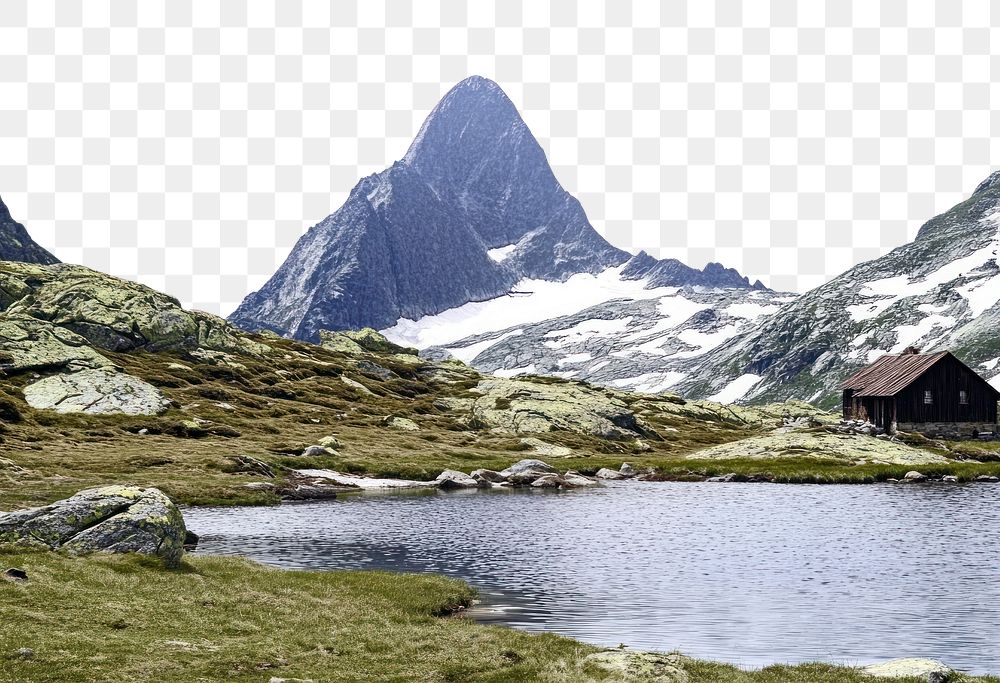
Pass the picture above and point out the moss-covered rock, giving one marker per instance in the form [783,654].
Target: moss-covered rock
[525,407]
[115,314]
[629,665]
[100,391]
[30,344]
[362,341]
[116,519]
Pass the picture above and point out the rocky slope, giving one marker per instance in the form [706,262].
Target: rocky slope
[470,211]
[940,291]
[646,345]
[16,244]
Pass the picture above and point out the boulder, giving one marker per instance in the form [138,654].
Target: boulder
[605,473]
[317,452]
[911,667]
[526,477]
[453,479]
[401,423]
[913,475]
[526,465]
[629,665]
[97,391]
[539,447]
[487,478]
[331,442]
[510,406]
[547,481]
[356,385]
[30,344]
[626,470]
[116,519]
[573,480]
[361,341]
[987,477]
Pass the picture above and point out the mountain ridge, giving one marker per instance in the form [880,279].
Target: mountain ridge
[16,244]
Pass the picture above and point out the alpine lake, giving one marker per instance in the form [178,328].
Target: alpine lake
[750,574]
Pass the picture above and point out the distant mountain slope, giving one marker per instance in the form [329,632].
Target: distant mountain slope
[471,210]
[644,344]
[16,244]
[940,291]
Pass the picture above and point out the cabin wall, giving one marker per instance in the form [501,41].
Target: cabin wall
[945,380]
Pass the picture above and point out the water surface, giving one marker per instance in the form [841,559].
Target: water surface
[750,574]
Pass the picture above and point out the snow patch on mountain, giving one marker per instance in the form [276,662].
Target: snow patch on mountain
[501,253]
[530,301]
[736,389]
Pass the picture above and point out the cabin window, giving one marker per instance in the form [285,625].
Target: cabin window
[928,397]
[963,397]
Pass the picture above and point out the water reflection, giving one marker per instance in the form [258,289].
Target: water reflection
[752,574]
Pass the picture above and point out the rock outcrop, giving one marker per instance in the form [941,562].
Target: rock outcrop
[97,391]
[523,407]
[365,340]
[910,667]
[630,665]
[114,314]
[116,519]
[28,344]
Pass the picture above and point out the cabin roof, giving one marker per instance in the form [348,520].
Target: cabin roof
[892,373]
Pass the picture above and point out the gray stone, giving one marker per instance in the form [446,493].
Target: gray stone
[331,442]
[910,667]
[401,423]
[528,464]
[526,477]
[913,475]
[453,479]
[24,653]
[573,479]
[987,477]
[30,344]
[547,481]
[605,473]
[487,477]
[546,449]
[949,478]
[629,665]
[98,391]
[317,451]
[626,470]
[115,519]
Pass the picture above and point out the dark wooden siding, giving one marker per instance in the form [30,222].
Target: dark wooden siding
[945,379]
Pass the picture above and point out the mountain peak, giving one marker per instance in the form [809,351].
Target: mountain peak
[989,183]
[16,244]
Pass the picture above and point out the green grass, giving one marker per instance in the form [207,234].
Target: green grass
[125,618]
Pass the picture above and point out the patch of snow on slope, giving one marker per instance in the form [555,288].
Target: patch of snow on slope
[514,372]
[995,382]
[907,335]
[467,354]
[736,389]
[705,342]
[649,383]
[546,300]
[501,253]
[585,329]
[981,294]
[991,363]
[574,358]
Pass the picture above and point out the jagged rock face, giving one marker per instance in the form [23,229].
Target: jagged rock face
[472,209]
[672,273]
[16,244]
[112,314]
[115,519]
[940,291]
[36,345]
[643,345]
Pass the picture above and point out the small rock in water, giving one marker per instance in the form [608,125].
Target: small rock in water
[913,475]
[487,477]
[605,473]
[626,470]
[453,479]
[950,478]
[548,481]
[574,479]
[15,574]
[986,477]
[528,464]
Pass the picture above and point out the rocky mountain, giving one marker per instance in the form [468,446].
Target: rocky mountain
[940,291]
[470,213]
[16,244]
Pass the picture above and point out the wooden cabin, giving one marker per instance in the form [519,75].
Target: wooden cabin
[932,393]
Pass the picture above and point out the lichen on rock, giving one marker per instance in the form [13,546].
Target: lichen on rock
[99,391]
[116,519]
